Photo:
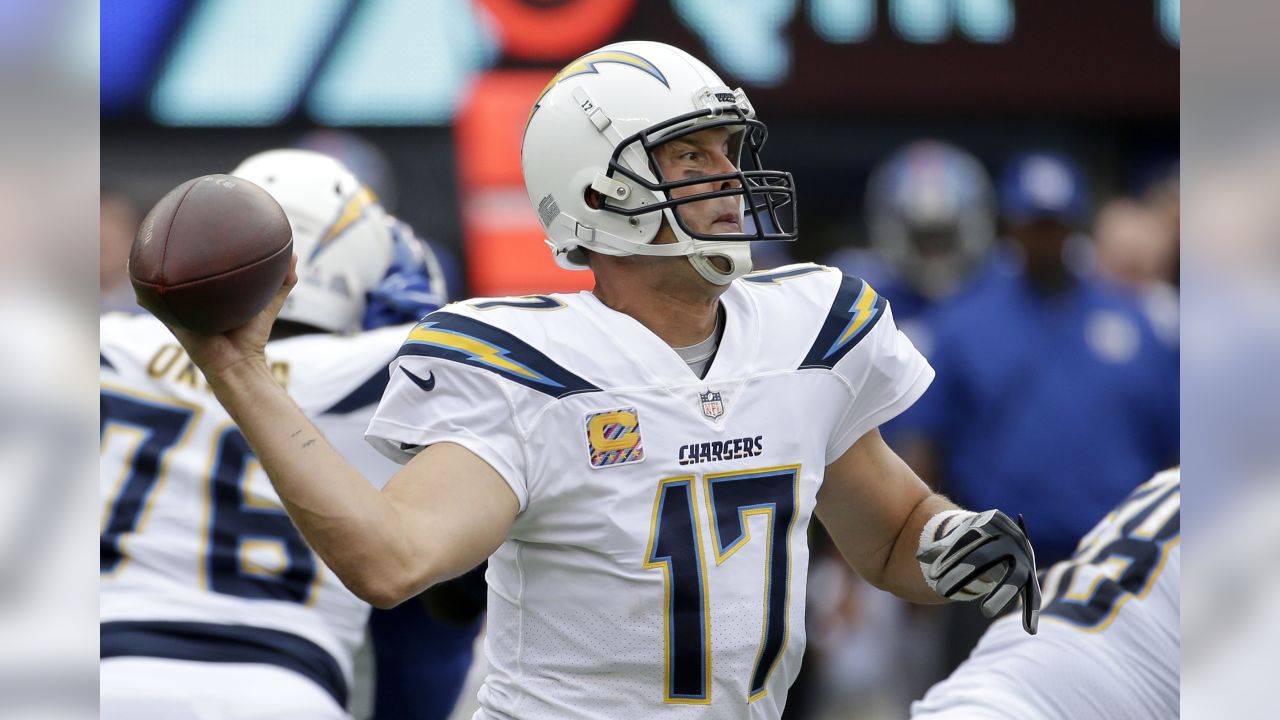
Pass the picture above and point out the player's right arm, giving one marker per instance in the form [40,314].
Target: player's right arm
[442,514]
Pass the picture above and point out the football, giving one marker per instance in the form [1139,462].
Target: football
[211,254]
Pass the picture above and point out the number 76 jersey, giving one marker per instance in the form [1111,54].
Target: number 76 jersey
[657,566]
[194,541]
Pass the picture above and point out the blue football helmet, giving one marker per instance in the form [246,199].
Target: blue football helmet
[931,215]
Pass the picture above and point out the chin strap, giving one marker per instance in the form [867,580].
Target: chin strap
[737,254]
[700,253]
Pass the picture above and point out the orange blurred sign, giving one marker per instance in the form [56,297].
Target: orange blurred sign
[556,31]
[504,242]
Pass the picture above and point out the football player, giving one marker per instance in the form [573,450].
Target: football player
[641,462]
[212,605]
[931,218]
[1109,646]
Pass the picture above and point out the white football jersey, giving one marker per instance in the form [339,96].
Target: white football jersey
[196,550]
[1108,641]
[657,566]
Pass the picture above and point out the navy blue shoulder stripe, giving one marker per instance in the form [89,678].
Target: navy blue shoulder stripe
[462,339]
[856,309]
[103,362]
[369,393]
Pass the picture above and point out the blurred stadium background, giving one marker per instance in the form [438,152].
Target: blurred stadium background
[427,101]
[440,91]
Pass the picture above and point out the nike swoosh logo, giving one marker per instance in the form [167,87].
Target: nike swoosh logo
[429,384]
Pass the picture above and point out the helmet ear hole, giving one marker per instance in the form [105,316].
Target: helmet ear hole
[592,198]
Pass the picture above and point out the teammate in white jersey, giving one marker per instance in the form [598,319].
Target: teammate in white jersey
[1109,646]
[641,461]
[212,605]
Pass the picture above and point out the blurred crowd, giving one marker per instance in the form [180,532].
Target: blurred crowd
[1050,312]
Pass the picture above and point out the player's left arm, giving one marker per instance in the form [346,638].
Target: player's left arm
[905,539]
[887,523]
[874,507]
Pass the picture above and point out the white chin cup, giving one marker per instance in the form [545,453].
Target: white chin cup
[737,254]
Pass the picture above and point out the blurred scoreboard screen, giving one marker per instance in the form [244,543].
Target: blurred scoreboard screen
[413,62]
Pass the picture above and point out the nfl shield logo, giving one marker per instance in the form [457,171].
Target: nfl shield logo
[712,405]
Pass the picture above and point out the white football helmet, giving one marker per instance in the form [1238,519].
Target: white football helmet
[595,127]
[341,235]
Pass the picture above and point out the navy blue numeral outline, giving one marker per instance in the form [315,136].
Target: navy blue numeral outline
[732,498]
[1149,528]
[164,427]
[675,547]
[235,519]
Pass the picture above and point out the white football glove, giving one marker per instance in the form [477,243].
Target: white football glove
[966,556]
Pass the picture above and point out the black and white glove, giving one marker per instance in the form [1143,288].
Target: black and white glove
[966,556]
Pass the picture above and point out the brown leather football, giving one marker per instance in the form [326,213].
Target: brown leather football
[211,254]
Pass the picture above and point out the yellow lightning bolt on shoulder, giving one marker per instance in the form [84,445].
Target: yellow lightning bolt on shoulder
[863,310]
[480,350]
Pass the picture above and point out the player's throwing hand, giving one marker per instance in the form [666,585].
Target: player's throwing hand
[965,556]
[215,353]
